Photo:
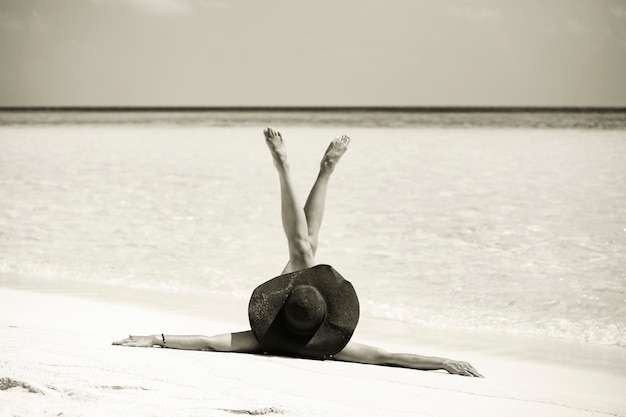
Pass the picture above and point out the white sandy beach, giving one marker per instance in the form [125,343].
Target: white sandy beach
[56,358]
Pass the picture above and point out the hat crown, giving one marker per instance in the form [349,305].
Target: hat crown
[304,310]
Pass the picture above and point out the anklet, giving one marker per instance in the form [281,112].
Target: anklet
[163,337]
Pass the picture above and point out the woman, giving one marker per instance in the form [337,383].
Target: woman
[310,297]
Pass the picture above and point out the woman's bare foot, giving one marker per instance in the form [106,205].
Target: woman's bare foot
[335,151]
[274,141]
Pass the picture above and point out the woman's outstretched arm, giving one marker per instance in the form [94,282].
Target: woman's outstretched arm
[243,342]
[356,352]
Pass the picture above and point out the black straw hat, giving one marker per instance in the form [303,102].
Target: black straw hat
[309,313]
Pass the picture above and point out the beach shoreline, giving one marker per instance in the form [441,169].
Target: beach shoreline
[57,358]
[229,312]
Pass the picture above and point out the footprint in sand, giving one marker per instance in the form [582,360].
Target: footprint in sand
[259,412]
[8,383]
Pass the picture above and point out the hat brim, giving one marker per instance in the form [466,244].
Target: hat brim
[342,314]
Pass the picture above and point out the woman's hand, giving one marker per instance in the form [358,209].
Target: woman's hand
[460,368]
[139,341]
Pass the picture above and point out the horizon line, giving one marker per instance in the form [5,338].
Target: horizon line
[387,109]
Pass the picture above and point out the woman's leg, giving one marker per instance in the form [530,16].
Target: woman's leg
[293,217]
[315,203]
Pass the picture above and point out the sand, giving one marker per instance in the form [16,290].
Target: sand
[56,359]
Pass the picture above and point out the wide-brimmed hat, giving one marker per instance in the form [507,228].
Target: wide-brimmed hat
[309,313]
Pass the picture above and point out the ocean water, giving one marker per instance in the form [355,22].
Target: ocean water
[511,224]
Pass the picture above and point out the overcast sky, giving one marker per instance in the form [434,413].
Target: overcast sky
[323,52]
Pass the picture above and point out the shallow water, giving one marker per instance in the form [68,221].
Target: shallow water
[518,231]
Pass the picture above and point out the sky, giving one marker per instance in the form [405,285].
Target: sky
[321,53]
